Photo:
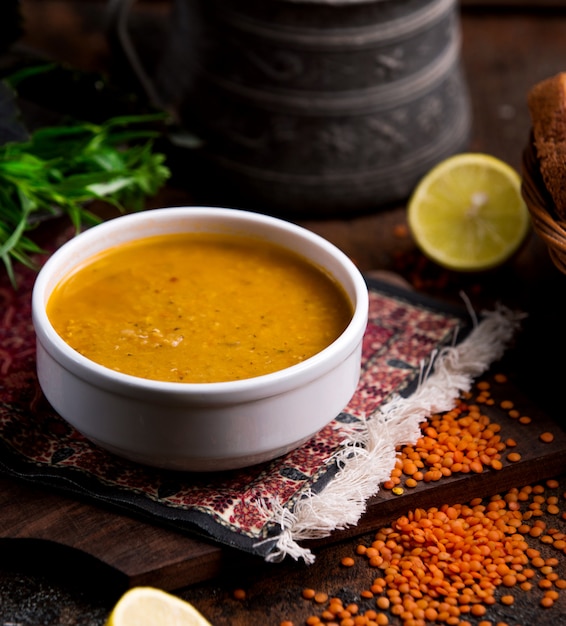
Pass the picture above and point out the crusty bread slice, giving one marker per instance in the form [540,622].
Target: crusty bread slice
[547,106]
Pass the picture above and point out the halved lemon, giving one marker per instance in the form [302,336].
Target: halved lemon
[148,606]
[467,213]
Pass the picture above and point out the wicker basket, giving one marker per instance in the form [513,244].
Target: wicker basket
[546,223]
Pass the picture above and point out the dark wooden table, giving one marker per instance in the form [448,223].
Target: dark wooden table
[507,47]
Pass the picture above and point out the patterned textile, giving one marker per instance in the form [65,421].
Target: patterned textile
[232,508]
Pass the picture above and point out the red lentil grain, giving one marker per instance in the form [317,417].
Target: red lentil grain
[545,583]
[425,577]
[509,580]
[551,594]
[400,231]
[397,609]
[478,610]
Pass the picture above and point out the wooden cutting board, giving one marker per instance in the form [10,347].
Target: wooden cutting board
[141,552]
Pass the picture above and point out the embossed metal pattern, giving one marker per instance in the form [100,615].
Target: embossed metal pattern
[325,108]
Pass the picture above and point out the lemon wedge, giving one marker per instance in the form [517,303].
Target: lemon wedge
[148,606]
[467,213]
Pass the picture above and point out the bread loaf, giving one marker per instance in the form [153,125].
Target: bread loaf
[547,107]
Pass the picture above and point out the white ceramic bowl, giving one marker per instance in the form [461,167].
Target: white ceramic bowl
[199,427]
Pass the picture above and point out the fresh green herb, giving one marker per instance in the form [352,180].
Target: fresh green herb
[60,169]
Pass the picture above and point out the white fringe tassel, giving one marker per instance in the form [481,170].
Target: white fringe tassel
[369,456]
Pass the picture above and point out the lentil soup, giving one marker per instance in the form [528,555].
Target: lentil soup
[198,308]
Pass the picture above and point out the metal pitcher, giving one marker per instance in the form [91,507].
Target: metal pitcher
[313,107]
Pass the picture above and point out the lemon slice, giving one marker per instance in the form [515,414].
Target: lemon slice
[148,606]
[468,214]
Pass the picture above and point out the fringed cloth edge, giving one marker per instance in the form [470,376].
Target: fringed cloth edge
[366,460]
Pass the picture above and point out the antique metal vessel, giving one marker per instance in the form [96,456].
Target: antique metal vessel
[317,107]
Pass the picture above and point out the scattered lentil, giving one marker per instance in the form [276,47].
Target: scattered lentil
[320,597]
[546,602]
[444,563]
[239,594]
[462,440]
[382,602]
[401,231]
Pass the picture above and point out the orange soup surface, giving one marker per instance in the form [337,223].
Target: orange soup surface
[198,308]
